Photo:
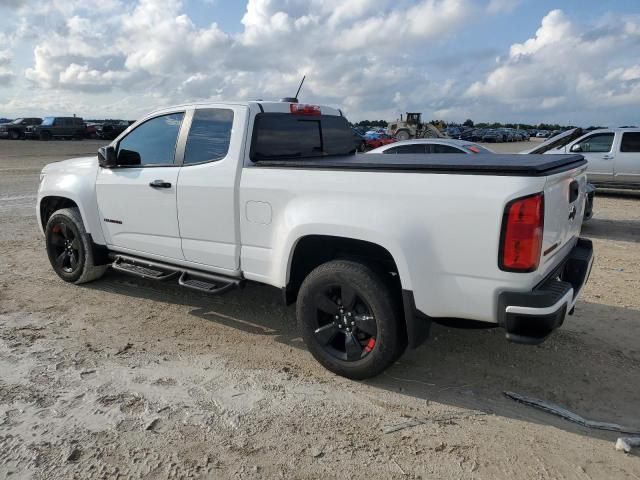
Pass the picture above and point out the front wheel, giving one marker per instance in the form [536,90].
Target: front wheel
[403,135]
[14,135]
[349,319]
[68,248]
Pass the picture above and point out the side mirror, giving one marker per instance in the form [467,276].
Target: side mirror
[129,158]
[576,148]
[107,157]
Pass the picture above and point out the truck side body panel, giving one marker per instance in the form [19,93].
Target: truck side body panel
[442,230]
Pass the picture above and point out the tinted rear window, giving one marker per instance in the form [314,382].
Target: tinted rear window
[283,135]
[415,148]
[630,142]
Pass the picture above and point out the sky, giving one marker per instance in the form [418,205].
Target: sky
[573,62]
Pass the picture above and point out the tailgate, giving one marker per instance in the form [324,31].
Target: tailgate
[564,204]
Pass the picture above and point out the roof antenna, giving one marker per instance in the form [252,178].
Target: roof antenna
[294,99]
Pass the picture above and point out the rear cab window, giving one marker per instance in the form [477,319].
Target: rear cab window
[630,142]
[287,136]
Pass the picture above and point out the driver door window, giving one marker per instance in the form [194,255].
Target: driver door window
[598,143]
[151,144]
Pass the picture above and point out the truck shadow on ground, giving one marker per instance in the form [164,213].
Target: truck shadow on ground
[593,375]
[607,229]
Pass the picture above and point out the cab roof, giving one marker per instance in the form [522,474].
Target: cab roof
[271,106]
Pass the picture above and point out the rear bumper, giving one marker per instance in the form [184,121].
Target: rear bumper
[530,317]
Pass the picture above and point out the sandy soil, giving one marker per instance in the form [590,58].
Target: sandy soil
[125,378]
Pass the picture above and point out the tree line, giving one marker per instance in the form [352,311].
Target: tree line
[470,123]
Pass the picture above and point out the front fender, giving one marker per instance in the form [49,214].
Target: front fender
[73,180]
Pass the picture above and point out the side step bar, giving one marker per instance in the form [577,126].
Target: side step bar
[189,278]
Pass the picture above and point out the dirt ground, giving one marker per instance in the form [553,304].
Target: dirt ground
[126,378]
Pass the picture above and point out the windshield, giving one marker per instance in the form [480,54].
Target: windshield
[48,121]
[559,141]
[17,121]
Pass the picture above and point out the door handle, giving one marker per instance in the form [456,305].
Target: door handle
[607,157]
[160,184]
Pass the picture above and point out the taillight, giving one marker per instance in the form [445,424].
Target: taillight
[521,236]
[304,109]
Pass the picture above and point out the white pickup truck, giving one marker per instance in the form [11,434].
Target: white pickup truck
[613,154]
[373,248]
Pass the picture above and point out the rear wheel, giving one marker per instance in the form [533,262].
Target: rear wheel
[349,319]
[69,250]
[14,135]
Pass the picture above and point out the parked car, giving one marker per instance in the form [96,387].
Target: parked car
[110,129]
[466,134]
[523,135]
[613,154]
[477,134]
[91,130]
[16,128]
[373,248]
[492,136]
[58,127]
[378,139]
[543,133]
[453,132]
[432,145]
[507,135]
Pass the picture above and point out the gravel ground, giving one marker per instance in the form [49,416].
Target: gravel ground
[125,378]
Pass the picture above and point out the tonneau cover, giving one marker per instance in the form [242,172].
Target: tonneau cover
[480,164]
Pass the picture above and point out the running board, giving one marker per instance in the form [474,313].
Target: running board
[205,284]
[196,280]
[149,271]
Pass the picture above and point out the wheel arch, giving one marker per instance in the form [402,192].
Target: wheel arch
[312,250]
[50,204]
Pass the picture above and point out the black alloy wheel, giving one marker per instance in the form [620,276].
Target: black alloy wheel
[70,249]
[346,328]
[350,318]
[65,248]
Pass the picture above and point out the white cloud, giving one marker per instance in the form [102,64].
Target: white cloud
[374,58]
[6,73]
[567,67]
[502,6]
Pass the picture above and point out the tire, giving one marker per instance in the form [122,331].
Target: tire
[350,320]
[402,135]
[363,147]
[68,248]
[14,135]
[45,135]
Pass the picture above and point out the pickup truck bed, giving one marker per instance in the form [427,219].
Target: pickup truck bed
[451,163]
